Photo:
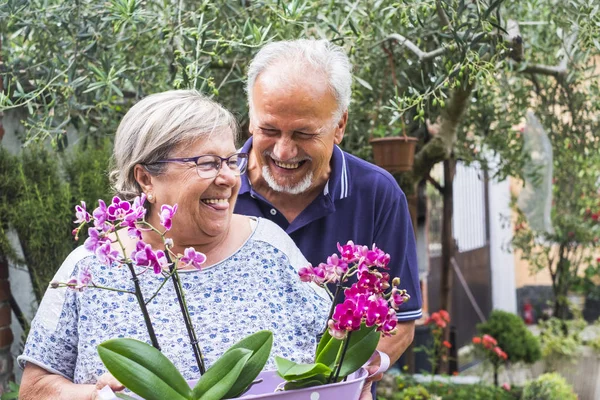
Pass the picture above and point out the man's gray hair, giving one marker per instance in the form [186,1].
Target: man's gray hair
[322,55]
[155,126]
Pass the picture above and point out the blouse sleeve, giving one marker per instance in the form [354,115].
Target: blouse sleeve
[53,337]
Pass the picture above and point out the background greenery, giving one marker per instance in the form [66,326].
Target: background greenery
[474,66]
[38,193]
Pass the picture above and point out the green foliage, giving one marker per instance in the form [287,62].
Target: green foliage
[40,190]
[12,393]
[148,373]
[360,346]
[561,341]
[549,387]
[407,388]
[412,393]
[513,336]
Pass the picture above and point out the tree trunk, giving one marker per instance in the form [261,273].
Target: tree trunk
[448,245]
[561,306]
[448,248]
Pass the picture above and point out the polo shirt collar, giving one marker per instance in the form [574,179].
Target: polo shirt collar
[337,186]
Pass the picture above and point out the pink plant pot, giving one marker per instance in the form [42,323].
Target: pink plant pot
[348,390]
[268,382]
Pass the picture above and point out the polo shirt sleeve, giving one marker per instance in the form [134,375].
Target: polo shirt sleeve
[395,236]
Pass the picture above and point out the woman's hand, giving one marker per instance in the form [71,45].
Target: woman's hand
[372,368]
[107,380]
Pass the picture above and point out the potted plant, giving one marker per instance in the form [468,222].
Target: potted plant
[393,150]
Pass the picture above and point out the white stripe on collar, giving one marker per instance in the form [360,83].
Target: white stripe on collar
[326,189]
[344,179]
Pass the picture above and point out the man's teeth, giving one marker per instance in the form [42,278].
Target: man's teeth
[287,165]
[215,201]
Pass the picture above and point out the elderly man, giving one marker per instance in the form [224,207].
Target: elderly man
[298,93]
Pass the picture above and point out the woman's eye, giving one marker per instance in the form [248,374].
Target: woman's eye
[208,165]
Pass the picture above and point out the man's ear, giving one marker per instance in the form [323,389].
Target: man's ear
[143,178]
[341,128]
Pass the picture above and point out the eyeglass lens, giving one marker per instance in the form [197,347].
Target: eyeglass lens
[209,166]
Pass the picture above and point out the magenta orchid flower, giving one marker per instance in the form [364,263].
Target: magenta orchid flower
[81,214]
[144,256]
[166,215]
[310,274]
[193,258]
[99,214]
[118,209]
[368,301]
[106,254]
[84,277]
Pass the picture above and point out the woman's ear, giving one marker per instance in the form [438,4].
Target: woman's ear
[143,178]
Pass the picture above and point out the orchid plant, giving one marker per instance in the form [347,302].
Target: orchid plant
[355,325]
[140,367]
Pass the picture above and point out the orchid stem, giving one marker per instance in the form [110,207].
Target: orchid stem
[339,359]
[186,316]
[140,298]
[345,345]
[167,276]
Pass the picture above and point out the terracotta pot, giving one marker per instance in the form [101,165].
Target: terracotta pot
[394,154]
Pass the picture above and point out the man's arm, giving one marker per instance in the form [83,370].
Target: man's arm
[394,346]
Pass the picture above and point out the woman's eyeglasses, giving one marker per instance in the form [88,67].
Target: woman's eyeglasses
[209,165]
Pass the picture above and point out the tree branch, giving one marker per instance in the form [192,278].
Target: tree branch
[435,184]
[442,14]
[556,71]
[421,55]
[515,40]
[440,147]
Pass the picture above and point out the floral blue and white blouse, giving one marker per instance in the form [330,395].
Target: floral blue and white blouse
[256,288]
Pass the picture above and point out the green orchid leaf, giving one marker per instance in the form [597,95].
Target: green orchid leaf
[124,396]
[143,369]
[316,380]
[323,342]
[362,345]
[361,348]
[292,371]
[221,377]
[260,343]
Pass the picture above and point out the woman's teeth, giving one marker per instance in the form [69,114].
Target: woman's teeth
[287,165]
[215,201]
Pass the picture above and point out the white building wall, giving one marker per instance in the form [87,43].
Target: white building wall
[469,227]
[504,290]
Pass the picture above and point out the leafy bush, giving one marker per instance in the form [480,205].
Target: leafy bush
[548,387]
[40,188]
[412,393]
[513,336]
[561,340]
[12,392]
[407,388]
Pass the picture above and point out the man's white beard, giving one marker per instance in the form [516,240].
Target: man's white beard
[301,187]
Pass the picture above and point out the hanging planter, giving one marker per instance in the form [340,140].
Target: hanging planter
[394,153]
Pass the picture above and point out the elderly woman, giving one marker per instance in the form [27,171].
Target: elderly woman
[177,147]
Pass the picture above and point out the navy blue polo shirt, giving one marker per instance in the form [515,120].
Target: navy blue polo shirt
[360,202]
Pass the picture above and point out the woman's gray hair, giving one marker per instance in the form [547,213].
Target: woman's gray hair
[158,124]
[322,55]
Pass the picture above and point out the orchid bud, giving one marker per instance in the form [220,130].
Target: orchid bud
[396,281]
